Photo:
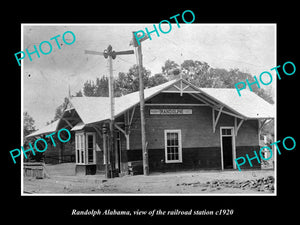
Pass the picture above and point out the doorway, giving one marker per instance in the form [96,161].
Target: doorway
[227,148]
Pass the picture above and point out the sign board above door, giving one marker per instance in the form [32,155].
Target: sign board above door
[171,111]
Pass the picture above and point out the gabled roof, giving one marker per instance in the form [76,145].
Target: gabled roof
[249,105]
[97,109]
[94,109]
[91,109]
[45,130]
[126,102]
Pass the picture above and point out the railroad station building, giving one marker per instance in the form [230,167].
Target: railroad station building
[187,128]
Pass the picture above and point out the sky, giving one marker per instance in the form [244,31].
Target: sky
[46,80]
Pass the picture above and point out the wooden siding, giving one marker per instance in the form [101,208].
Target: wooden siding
[169,98]
[241,151]
[200,146]
[192,158]
[196,129]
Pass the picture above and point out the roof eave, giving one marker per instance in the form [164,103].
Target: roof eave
[147,98]
[258,118]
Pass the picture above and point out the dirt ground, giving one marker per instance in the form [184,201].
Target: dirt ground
[62,180]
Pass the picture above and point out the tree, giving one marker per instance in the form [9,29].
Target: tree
[202,75]
[89,88]
[124,84]
[198,73]
[129,82]
[79,94]
[28,128]
[95,89]
[28,124]
[193,68]
[170,69]
[101,87]
[60,109]
[157,79]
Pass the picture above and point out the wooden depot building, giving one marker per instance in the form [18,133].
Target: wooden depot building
[187,128]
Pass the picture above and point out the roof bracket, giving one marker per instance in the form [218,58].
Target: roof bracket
[132,114]
[264,122]
[68,122]
[237,126]
[120,129]
[215,120]
[97,130]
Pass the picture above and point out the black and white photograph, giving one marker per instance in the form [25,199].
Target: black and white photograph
[156,113]
[145,109]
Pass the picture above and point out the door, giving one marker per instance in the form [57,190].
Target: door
[227,152]
[227,147]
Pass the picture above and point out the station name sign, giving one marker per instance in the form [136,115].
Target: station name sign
[171,111]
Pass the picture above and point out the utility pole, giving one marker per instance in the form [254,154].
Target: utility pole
[112,108]
[110,54]
[139,59]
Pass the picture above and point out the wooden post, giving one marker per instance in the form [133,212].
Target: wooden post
[61,153]
[105,150]
[112,119]
[126,119]
[111,93]
[110,54]
[142,107]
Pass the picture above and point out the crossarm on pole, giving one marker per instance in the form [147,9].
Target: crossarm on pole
[92,52]
[125,52]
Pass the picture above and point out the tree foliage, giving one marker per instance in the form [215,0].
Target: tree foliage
[202,75]
[129,82]
[28,124]
[60,109]
[28,128]
[124,84]
[199,73]
[96,89]
[78,94]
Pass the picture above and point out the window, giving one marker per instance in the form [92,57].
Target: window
[173,151]
[226,131]
[79,148]
[90,147]
[85,144]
